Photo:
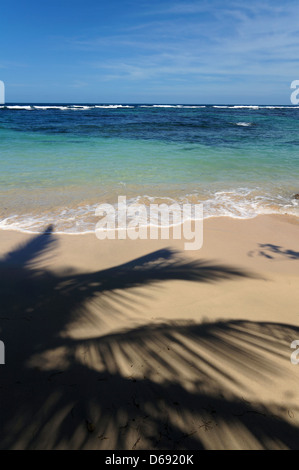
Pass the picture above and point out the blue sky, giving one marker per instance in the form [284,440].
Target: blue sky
[156,51]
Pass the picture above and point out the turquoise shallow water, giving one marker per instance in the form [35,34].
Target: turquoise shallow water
[59,161]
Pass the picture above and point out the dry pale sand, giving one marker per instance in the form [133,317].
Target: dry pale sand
[126,344]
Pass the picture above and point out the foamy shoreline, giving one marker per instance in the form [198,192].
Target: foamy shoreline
[81,218]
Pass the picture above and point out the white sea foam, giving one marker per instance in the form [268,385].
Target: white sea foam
[244,203]
[49,107]
[166,106]
[172,106]
[77,107]
[63,108]
[241,203]
[81,108]
[27,108]
[175,106]
[253,107]
[244,124]
[245,107]
[52,107]
[65,220]
[279,107]
[121,106]
[112,106]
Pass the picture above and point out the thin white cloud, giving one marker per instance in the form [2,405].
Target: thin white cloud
[190,44]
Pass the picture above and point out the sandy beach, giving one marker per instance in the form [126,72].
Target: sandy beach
[122,344]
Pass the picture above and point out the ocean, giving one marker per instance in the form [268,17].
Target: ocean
[59,161]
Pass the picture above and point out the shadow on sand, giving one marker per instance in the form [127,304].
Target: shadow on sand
[170,385]
[274,252]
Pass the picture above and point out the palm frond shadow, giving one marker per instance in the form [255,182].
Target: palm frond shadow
[274,252]
[26,254]
[165,386]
